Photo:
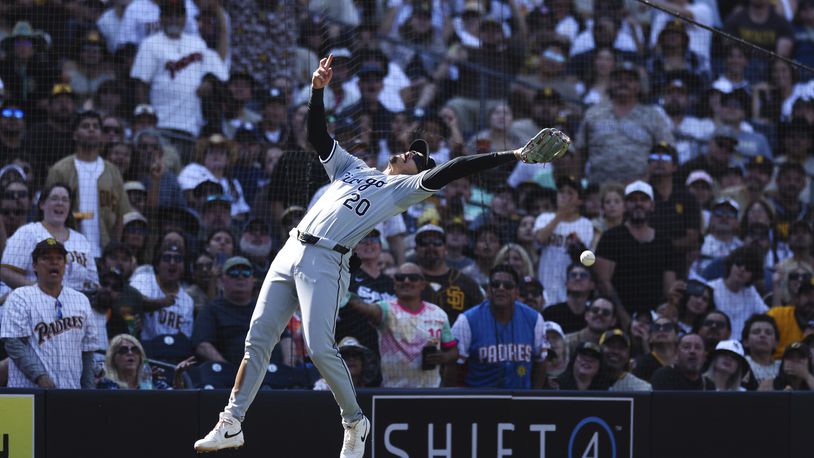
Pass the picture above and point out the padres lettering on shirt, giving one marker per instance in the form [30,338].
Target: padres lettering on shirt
[57,342]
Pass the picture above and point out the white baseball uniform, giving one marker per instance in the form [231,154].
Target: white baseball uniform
[174,319]
[58,334]
[316,276]
[80,270]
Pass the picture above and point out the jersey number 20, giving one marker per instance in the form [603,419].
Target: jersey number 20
[357,204]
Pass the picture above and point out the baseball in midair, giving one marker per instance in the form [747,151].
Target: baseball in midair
[587,258]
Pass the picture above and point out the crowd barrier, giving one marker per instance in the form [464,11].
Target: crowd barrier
[441,423]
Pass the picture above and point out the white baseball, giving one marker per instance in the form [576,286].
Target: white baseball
[587,258]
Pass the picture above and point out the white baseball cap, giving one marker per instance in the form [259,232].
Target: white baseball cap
[555,327]
[129,217]
[697,175]
[429,228]
[726,201]
[639,186]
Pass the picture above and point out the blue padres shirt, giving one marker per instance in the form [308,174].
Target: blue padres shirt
[500,355]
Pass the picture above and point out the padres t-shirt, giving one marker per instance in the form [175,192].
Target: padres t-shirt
[57,334]
[173,319]
[500,355]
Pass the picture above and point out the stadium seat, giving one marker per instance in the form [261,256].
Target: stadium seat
[279,376]
[211,375]
[169,348]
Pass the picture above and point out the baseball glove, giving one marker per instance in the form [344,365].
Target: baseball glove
[549,144]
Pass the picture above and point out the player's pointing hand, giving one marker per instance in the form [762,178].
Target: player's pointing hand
[323,74]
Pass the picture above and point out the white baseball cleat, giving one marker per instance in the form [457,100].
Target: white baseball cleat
[356,435]
[226,434]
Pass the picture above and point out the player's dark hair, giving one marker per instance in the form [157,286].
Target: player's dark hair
[507,269]
[758,318]
[69,221]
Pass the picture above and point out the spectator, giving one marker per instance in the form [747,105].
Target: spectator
[42,358]
[795,372]
[125,303]
[759,337]
[727,367]
[241,87]
[171,66]
[557,357]
[502,212]
[691,132]
[580,285]
[165,282]
[550,73]
[121,155]
[363,365]
[685,374]
[221,325]
[498,134]
[135,232]
[371,286]
[758,174]
[700,40]
[792,320]
[49,141]
[586,371]
[487,244]
[735,106]
[28,71]
[457,238]
[371,78]
[599,317]
[214,158]
[249,144]
[714,328]
[13,211]
[699,184]
[446,287]
[274,123]
[803,50]
[786,201]
[525,238]
[124,364]
[631,263]
[562,234]
[531,293]
[760,24]
[696,300]
[110,22]
[735,294]
[502,340]
[89,70]
[203,286]
[599,78]
[220,244]
[612,201]
[722,238]
[800,239]
[615,346]
[142,19]
[787,289]
[12,128]
[673,57]
[97,188]
[150,168]
[495,53]
[411,333]
[677,215]
[719,154]
[609,154]
[137,195]
[662,339]
[256,244]
[17,268]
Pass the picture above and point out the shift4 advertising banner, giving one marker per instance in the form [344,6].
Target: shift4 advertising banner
[16,426]
[501,426]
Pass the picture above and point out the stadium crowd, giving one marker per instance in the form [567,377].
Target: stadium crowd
[154,158]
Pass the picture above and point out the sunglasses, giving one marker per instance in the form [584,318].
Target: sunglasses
[172,258]
[505,284]
[404,277]
[13,211]
[370,240]
[603,312]
[244,272]
[123,350]
[578,275]
[796,276]
[715,324]
[58,306]
[13,113]
[136,229]
[660,157]
[15,194]
[431,242]
[722,213]
[666,327]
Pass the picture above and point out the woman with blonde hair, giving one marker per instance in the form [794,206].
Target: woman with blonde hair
[124,364]
[214,157]
[517,257]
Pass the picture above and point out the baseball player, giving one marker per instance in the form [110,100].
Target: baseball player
[48,328]
[312,268]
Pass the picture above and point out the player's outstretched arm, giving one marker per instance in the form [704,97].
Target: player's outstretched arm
[548,145]
[317,127]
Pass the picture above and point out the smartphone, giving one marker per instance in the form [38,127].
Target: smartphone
[428,350]
[695,288]
[220,260]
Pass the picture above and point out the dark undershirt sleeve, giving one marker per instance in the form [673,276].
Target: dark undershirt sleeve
[317,128]
[25,358]
[463,166]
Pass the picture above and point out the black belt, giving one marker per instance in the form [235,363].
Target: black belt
[313,240]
